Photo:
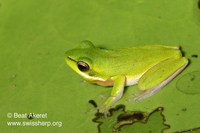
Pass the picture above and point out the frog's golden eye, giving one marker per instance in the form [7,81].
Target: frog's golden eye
[82,66]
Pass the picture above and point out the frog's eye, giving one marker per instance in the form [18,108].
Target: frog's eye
[82,66]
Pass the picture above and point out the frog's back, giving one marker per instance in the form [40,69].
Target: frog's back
[135,60]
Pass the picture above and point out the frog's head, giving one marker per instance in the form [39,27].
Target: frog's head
[80,60]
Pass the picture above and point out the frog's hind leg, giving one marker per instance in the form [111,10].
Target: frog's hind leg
[158,76]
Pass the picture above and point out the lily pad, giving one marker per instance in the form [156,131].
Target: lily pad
[34,35]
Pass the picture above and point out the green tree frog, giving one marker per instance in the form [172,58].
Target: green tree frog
[151,67]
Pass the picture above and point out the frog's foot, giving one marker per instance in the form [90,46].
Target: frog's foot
[143,94]
[107,103]
[135,97]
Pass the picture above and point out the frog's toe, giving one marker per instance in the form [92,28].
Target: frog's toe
[132,99]
[106,112]
[137,94]
[99,107]
[92,110]
[136,97]
[141,95]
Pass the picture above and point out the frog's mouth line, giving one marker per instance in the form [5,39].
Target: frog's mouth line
[71,59]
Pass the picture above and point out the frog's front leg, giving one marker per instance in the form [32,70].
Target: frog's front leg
[116,94]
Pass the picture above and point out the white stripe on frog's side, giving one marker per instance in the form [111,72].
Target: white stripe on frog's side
[132,80]
[129,80]
[90,77]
